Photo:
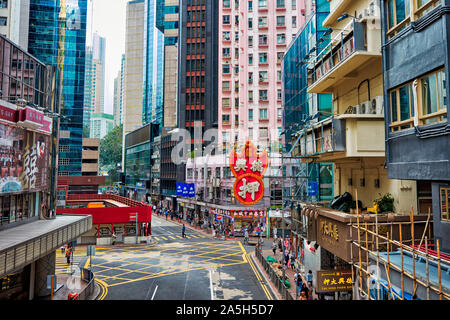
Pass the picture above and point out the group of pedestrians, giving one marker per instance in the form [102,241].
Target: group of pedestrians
[304,288]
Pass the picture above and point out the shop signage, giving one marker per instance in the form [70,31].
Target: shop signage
[24,160]
[249,168]
[332,235]
[8,113]
[279,214]
[312,188]
[186,190]
[333,280]
[31,118]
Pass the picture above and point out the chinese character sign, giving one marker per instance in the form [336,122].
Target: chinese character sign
[333,280]
[249,168]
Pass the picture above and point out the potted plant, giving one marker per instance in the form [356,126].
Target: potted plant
[385,203]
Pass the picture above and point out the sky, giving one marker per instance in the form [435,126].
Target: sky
[107,18]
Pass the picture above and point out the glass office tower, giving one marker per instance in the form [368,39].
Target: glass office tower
[57,36]
[152,111]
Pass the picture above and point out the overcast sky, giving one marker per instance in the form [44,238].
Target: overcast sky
[107,18]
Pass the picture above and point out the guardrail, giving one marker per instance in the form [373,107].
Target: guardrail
[88,276]
[274,278]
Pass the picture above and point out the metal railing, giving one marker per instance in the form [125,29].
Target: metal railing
[274,277]
[88,276]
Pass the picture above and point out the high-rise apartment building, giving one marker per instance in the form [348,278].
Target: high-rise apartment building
[94,88]
[118,94]
[253,37]
[57,36]
[133,68]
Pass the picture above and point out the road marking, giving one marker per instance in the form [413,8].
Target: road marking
[154,292]
[210,284]
[104,286]
[164,238]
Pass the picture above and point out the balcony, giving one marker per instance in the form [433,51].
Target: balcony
[337,8]
[342,59]
[344,136]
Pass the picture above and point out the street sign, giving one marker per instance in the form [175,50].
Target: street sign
[133,216]
[219,217]
[312,188]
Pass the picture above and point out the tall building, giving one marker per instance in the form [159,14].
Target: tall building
[133,68]
[253,37]
[153,91]
[101,125]
[57,36]
[118,93]
[198,71]
[168,23]
[14,18]
[94,88]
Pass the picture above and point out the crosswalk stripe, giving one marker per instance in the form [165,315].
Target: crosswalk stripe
[164,238]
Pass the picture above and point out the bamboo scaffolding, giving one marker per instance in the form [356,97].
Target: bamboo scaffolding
[359,241]
[367,266]
[439,269]
[413,251]
[401,254]
[387,271]
[428,274]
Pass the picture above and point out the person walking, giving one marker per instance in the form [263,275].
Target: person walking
[309,277]
[68,252]
[183,231]
[274,247]
[292,257]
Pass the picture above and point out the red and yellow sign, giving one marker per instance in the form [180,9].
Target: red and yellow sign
[249,168]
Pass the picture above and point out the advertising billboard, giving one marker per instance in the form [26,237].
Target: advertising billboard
[24,160]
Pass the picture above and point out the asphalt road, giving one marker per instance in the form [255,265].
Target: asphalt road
[174,268]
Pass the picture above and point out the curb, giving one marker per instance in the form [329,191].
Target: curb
[275,293]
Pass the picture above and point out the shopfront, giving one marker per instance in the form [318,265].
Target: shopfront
[252,220]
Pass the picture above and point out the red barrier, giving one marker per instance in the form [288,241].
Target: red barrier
[100,197]
[112,214]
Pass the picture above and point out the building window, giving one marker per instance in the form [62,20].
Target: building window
[280,3]
[250,77]
[402,108]
[250,23]
[225,102]
[294,4]
[226,35]
[250,95]
[217,172]
[294,21]
[433,98]
[226,52]
[236,69]
[250,41]
[263,57]
[226,19]
[281,38]
[236,20]
[263,113]
[280,56]
[262,4]
[250,6]
[262,39]
[226,85]
[3,3]
[279,94]
[445,202]
[225,118]
[262,94]
[280,21]
[250,59]
[250,114]
[226,4]
[262,22]
[236,36]
[425,6]
[263,76]
[226,68]
[3,21]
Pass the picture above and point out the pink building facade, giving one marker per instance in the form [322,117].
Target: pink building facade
[253,38]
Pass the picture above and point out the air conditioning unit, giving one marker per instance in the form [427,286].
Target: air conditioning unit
[377,105]
[364,107]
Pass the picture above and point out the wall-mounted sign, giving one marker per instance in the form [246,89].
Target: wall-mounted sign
[24,160]
[312,188]
[333,280]
[249,168]
[186,190]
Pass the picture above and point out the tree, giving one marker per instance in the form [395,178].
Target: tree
[111,148]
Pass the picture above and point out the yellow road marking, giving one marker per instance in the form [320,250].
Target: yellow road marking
[104,286]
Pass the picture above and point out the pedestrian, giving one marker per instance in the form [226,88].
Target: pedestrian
[68,252]
[183,231]
[299,283]
[274,247]
[309,277]
[280,244]
[303,295]
[305,290]
[62,249]
[113,238]
[286,257]
[292,257]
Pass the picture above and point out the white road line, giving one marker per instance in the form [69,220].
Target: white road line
[154,292]
[210,284]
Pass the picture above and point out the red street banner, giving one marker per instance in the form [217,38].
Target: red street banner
[249,168]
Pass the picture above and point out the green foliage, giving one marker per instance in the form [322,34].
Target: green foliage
[385,203]
[111,148]
[86,131]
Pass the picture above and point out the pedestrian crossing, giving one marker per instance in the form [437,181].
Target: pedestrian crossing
[161,238]
[61,265]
